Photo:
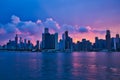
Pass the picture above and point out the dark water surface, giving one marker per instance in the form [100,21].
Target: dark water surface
[59,66]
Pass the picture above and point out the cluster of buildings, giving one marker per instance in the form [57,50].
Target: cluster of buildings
[18,44]
[66,43]
[107,44]
[50,43]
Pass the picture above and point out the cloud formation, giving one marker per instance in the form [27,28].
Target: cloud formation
[15,19]
[84,29]
[33,30]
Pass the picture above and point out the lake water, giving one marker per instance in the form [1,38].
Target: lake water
[59,66]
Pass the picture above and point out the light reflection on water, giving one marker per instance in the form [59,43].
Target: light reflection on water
[59,66]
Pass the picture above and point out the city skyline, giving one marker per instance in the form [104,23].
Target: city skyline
[34,38]
[59,39]
[33,30]
[83,19]
[50,43]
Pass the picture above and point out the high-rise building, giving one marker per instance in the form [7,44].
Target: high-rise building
[37,45]
[21,45]
[66,34]
[46,39]
[108,40]
[61,45]
[29,45]
[21,40]
[117,42]
[16,41]
[63,42]
[25,41]
[49,41]
[84,45]
[52,41]
[96,43]
[25,44]
[67,41]
[56,41]
[46,30]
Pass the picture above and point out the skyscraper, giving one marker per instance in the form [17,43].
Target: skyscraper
[49,41]
[46,30]
[29,45]
[117,41]
[45,39]
[67,41]
[108,40]
[16,41]
[37,45]
[25,44]
[21,40]
[56,41]
[66,34]
[96,43]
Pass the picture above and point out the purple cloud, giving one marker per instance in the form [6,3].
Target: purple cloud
[99,31]
[84,29]
[15,19]
[87,29]
[50,23]
[33,30]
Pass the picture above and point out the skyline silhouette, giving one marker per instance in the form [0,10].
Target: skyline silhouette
[82,18]
[59,39]
[50,42]
[33,30]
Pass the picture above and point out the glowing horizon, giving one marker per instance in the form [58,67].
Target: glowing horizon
[82,18]
[33,30]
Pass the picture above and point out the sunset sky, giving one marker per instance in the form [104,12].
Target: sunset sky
[82,18]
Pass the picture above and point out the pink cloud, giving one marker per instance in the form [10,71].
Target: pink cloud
[33,30]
